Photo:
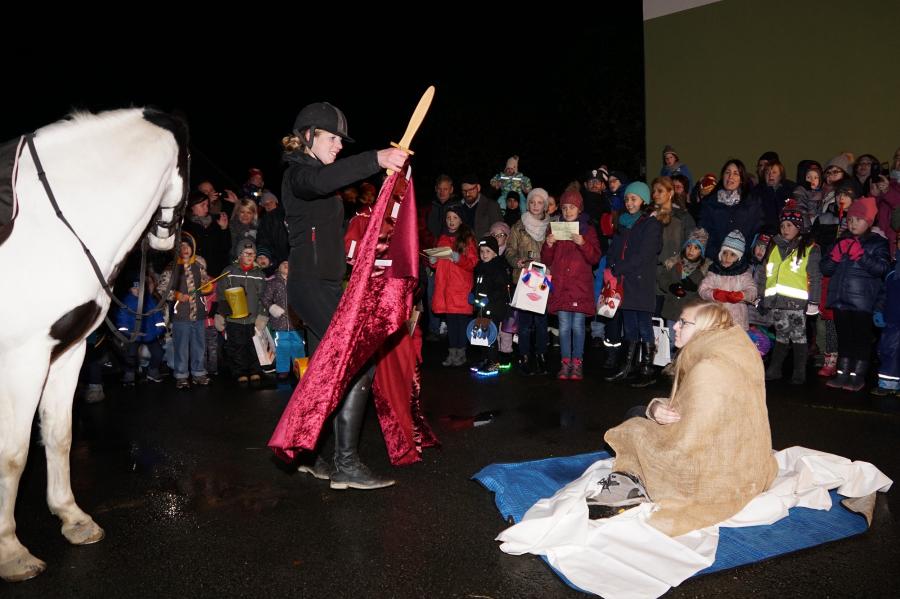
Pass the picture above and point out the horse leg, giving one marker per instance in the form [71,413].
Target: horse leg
[56,429]
[24,372]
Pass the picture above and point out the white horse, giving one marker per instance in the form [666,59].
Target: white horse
[110,173]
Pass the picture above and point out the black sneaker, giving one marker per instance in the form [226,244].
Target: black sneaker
[618,489]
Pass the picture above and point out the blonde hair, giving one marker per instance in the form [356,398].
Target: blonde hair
[292,143]
[710,316]
[245,204]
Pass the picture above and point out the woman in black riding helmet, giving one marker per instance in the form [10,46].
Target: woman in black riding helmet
[314,214]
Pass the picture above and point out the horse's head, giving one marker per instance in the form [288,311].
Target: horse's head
[166,222]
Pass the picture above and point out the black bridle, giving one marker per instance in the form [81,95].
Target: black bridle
[172,226]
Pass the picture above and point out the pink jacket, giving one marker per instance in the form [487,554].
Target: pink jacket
[742,282]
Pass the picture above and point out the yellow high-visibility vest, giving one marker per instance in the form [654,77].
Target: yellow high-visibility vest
[787,277]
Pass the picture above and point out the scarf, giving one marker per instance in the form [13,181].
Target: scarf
[627,220]
[729,198]
[688,267]
[536,228]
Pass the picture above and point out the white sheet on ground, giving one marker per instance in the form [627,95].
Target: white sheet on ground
[624,557]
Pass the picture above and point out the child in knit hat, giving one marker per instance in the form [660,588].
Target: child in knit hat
[790,286]
[856,265]
[490,298]
[678,278]
[510,179]
[729,280]
[572,295]
[288,343]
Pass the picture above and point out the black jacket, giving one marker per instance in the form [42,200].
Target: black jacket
[314,212]
[719,220]
[492,279]
[213,243]
[633,257]
[272,234]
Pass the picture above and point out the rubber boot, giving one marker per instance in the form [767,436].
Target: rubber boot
[843,374]
[647,374]
[829,367]
[460,357]
[800,356]
[627,363]
[540,364]
[612,356]
[776,362]
[451,357]
[349,471]
[857,378]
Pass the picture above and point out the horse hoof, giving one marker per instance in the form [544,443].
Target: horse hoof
[24,567]
[83,533]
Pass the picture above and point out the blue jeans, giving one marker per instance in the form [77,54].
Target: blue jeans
[527,321]
[637,326]
[571,334]
[190,348]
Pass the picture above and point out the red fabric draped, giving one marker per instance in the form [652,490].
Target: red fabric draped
[370,320]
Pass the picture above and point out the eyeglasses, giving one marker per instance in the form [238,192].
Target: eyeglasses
[684,322]
[500,235]
[833,171]
[470,189]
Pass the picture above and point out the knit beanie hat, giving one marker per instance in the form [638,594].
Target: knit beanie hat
[842,161]
[864,208]
[513,195]
[769,156]
[791,213]
[457,209]
[573,198]
[735,242]
[640,189]
[541,194]
[491,242]
[600,174]
[247,244]
[264,251]
[698,237]
[762,239]
[669,150]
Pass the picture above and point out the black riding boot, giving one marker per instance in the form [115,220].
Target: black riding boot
[612,355]
[627,363]
[348,470]
[647,375]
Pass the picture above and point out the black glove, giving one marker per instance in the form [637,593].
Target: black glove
[677,289]
[761,307]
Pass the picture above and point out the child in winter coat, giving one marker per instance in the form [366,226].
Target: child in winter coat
[729,281]
[856,264]
[489,297]
[678,278]
[153,326]
[288,343]
[632,261]
[572,295]
[524,246]
[887,317]
[186,281]
[240,352]
[453,281]
[790,287]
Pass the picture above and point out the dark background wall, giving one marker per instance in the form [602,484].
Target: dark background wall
[806,78]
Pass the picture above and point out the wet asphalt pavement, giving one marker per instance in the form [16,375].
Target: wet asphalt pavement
[194,504]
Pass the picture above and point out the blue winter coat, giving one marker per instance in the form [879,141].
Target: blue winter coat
[719,220]
[855,285]
[152,327]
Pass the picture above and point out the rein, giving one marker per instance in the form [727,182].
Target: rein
[175,222]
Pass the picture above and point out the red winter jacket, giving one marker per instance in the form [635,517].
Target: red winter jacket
[453,280]
[571,269]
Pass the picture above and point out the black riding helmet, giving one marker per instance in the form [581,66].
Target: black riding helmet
[321,115]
